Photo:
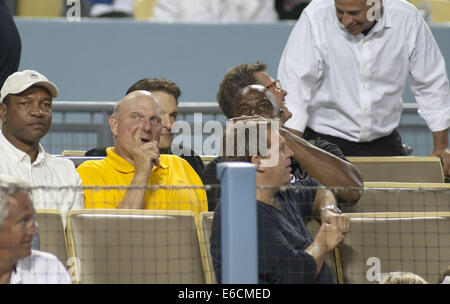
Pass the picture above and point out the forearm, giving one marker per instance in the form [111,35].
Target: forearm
[440,140]
[441,149]
[329,170]
[134,198]
[324,197]
[318,252]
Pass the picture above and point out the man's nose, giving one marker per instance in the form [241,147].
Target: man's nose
[36,109]
[288,152]
[34,229]
[166,123]
[346,20]
[146,126]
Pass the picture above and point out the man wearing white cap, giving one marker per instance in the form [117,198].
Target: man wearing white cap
[26,112]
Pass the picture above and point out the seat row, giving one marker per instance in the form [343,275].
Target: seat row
[158,246]
[403,169]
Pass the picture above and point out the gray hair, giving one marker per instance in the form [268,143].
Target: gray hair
[9,186]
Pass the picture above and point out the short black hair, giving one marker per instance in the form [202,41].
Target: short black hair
[156,84]
[233,81]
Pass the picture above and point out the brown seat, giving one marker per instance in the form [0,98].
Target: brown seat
[380,243]
[204,233]
[52,237]
[439,10]
[207,159]
[41,8]
[134,246]
[406,169]
[143,9]
[405,197]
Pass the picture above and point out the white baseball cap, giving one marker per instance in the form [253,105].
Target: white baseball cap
[20,81]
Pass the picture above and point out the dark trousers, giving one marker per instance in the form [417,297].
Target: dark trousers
[390,145]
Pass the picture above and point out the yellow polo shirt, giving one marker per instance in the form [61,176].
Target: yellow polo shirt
[116,171]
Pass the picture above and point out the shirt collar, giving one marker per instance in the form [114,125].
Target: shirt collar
[19,155]
[122,165]
[16,274]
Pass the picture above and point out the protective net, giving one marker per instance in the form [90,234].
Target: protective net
[392,229]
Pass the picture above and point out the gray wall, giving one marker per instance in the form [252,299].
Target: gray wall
[100,59]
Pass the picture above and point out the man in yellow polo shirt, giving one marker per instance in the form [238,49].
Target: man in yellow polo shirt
[135,161]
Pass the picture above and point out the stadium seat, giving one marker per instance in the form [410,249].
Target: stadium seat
[439,10]
[406,169]
[78,160]
[207,158]
[143,9]
[204,233]
[73,153]
[401,197]
[113,246]
[52,237]
[41,8]
[379,243]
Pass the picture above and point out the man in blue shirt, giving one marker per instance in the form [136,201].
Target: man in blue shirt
[286,251]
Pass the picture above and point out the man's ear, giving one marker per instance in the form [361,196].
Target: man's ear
[114,124]
[3,109]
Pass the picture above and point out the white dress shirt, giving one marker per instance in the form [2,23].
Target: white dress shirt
[40,268]
[214,11]
[47,170]
[351,86]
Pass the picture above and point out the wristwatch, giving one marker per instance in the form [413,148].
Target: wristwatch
[331,208]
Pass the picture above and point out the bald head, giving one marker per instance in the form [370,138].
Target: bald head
[139,112]
[136,96]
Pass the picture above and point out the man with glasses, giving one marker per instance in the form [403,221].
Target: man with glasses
[135,161]
[167,92]
[287,253]
[328,169]
[346,65]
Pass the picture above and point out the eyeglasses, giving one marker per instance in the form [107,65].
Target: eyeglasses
[276,84]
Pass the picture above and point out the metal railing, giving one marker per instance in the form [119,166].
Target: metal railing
[82,125]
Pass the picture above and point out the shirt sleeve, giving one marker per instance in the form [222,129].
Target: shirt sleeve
[96,199]
[167,10]
[79,195]
[199,201]
[61,276]
[304,195]
[279,262]
[429,80]
[300,71]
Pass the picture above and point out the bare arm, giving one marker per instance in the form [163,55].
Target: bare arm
[441,149]
[329,170]
[332,229]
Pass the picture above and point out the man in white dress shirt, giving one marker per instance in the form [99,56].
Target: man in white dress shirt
[214,11]
[18,263]
[26,112]
[346,65]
